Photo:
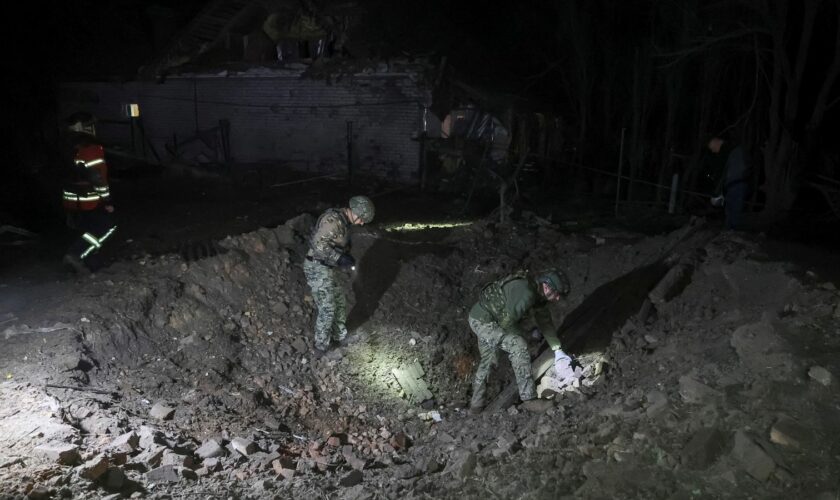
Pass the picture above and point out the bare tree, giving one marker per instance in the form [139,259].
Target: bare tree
[787,108]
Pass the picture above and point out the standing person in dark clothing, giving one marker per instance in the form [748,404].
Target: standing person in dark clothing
[733,185]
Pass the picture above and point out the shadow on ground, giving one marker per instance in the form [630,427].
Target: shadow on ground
[589,328]
[379,267]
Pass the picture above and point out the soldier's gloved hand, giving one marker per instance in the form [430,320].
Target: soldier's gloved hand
[717,201]
[346,261]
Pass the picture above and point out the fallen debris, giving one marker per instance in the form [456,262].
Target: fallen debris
[410,378]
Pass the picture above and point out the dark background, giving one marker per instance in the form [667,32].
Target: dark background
[670,72]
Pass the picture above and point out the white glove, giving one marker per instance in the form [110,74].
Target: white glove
[717,201]
[563,370]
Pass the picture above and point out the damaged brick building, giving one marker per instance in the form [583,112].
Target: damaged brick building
[265,83]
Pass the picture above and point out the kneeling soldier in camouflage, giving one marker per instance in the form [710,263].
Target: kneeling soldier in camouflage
[494,319]
[329,249]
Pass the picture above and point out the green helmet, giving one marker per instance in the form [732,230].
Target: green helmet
[362,207]
[556,279]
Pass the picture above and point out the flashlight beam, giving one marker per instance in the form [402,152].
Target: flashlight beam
[420,226]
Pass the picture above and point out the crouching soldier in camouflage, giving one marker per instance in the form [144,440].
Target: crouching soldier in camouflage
[329,250]
[494,319]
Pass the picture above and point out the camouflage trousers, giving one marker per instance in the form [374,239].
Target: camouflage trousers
[491,338]
[330,303]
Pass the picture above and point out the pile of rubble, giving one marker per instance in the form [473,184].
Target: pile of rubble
[165,376]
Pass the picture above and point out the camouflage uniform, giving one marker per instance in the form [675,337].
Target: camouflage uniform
[494,319]
[330,239]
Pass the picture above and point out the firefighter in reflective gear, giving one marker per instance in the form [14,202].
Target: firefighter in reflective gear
[329,250]
[87,196]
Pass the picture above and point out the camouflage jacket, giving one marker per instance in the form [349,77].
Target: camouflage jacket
[330,238]
[508,300]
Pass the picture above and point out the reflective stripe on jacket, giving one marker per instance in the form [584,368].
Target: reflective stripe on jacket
[89,190]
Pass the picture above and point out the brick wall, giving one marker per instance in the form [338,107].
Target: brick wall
[285,119]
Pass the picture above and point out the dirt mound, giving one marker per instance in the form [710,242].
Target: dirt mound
[168,375]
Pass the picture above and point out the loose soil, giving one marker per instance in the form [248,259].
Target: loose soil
[190,374]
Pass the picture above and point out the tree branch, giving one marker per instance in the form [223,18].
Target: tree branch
[795,80]
[820,107]
[704,44]
[749,110]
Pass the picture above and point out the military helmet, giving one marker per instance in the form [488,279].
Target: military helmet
[82,122]
[556,279]
[362,207]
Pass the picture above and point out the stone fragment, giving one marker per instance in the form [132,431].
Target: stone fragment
[210,449]
[162,412]
[763,351]
[114,479]
[119,458]
[351,458]
[787,432]
[462,464]
[171,458]
[264,460]
[657,403]
[163,474]
[505,443]
[263,485]
[99,425]
[352,478]
[39,492]
[821,375]
[693,391]
[752,457]
[62,453]
[213,464]
[150,457]
[322,462]
[431,466]
[149,436]
[300,345]
[94,468]
[606,432]
[284,467]
[285,236]
[704,448]
[125,443]
[72,361]
[400,441]
[244,446]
